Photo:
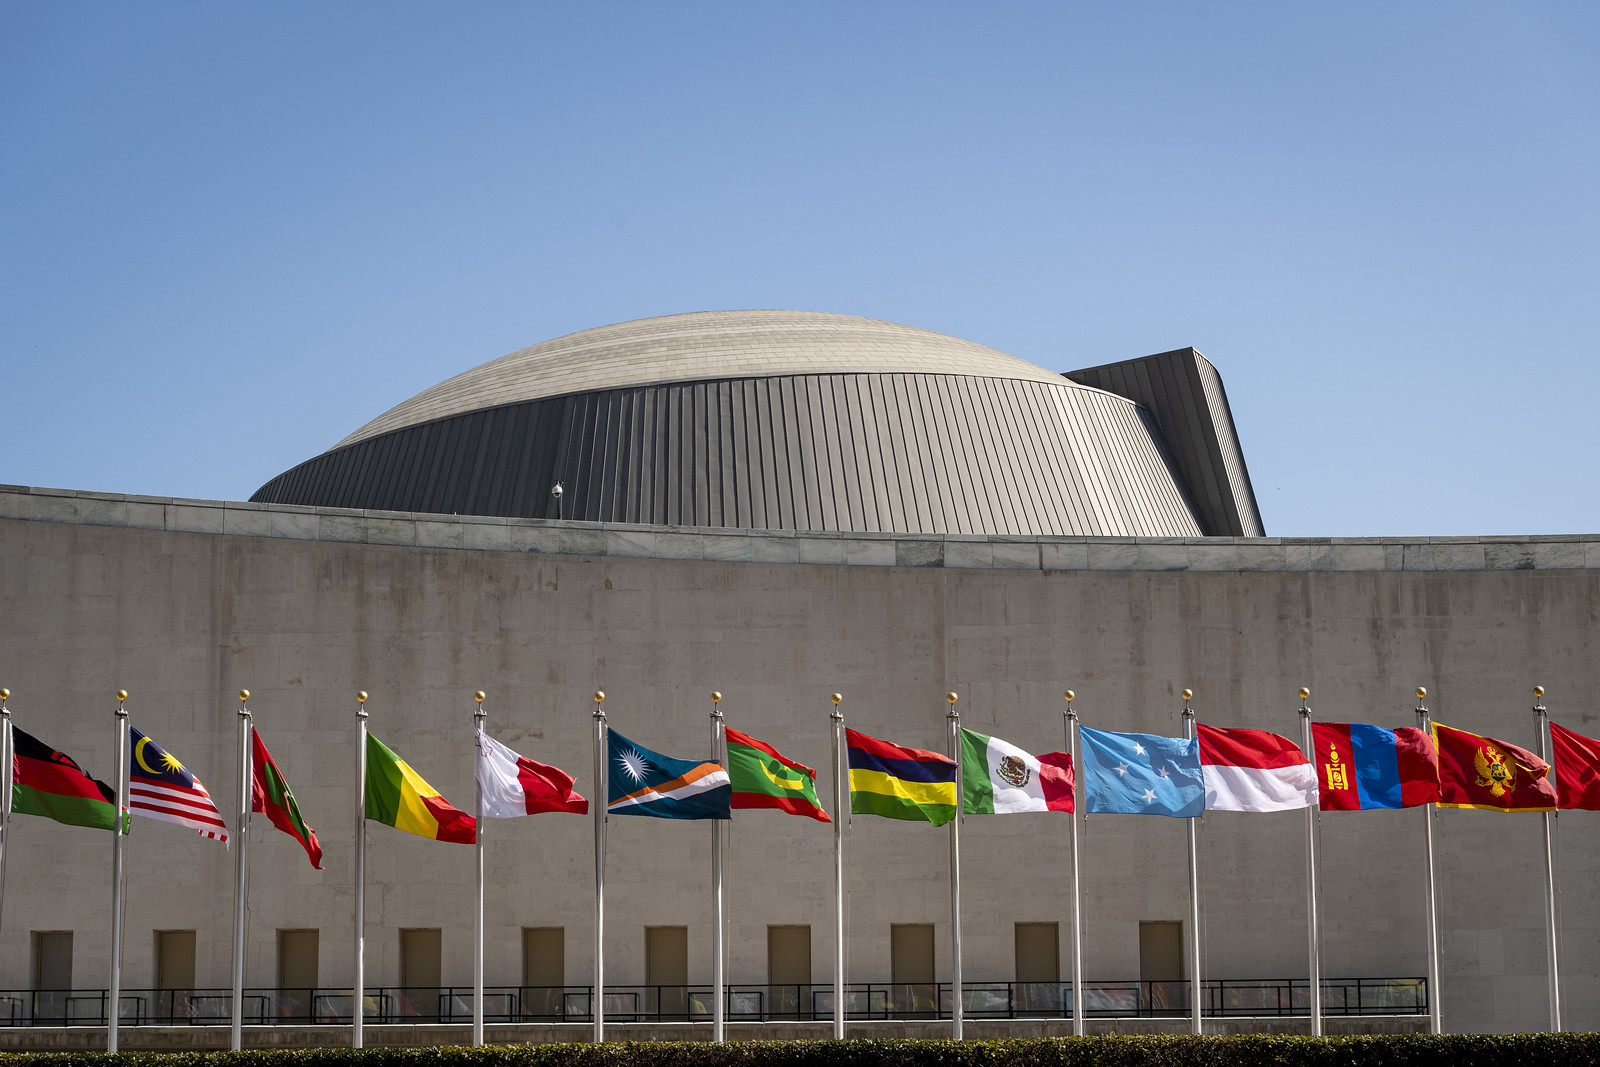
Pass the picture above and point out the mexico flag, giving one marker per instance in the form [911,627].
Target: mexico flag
[515,785]
[1253,770]
[998,778]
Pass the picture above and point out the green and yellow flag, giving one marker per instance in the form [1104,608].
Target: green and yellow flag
[398,797]
[762,777]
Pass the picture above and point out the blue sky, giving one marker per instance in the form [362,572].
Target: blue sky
[233,232]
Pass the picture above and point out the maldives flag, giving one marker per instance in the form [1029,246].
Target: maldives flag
[515,785]
[1577,763]
[1253,770]
[1360,767]
[270,795]
[1481,772]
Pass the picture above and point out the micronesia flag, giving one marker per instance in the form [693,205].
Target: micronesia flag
[642,782]
[1141,774]
[1360,766]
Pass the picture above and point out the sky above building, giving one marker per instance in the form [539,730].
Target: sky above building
[232,233]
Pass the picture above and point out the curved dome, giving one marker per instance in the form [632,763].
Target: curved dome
[796,420]
[702,345]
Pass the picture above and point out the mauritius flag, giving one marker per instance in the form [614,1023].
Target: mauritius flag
[397,796]
[642,782]
[900,783]
[1360,767]
[50,783]
[762,777]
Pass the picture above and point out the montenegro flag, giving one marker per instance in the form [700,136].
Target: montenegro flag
[1481,772]
[398,797]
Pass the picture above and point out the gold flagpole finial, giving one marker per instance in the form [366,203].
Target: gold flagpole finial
[5,694]
[122,694]
[479,695]
[599,695]
[361,697]
[1421,692]
[244,694]
[716,698]
[1188,694]
[1538,690]
[1304,692]
[951,697]
[1069,696]
[837,697]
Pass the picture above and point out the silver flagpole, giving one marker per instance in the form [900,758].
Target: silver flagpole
[718,976]
[1070,718]
[839,816]
[477,929]
[597,1000]
[241,828]
[954,718]
[1313,941]
[1196,990]
[1435,1025]
[116,873]
[1549,870]
[5,797]
[359,992]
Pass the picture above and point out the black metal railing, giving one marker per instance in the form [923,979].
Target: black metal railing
[745,1003]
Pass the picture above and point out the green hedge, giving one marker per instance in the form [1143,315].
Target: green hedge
[1451,1050]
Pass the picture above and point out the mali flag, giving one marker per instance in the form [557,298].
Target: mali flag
[50,783]
[762,777]
[397,796]
[900,783]
[1481,772]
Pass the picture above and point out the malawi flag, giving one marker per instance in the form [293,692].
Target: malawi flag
[1481,772]
[397,796]
[1577,763]
[998,778]
[50,783]
[270,795]
[762,777]
[900,783]
[1361,767]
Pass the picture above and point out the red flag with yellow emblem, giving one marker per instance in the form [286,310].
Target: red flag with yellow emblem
[1481,772]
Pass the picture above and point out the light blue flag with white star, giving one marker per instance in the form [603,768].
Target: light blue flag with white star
[1141,774]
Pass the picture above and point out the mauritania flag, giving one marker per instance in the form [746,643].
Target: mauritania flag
[160,787]
[642,782]
[997,777]
[398,797]
[50,783]
[900,783]
[762,777]
[1141,774]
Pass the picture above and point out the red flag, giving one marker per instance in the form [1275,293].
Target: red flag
[1577,763]
[1482,772]
[270,795]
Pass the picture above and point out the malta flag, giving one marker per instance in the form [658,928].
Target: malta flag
[1253,770]
[515,785]
[1577,762]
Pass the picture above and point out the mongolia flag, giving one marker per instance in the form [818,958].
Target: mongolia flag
[642,782]
[1360,767]
[1141,774]
[998,778]
[1577,763]
[50,783]
[514,785]
[160,787]
[900,783]
[1253,770]
[398,797]
[1481,772]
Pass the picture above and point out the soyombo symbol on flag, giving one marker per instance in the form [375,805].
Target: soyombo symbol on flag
[1141,774]
[762,777]
[160,787]
[1253,770]
[900,783]
[398,797]
[1481,772]
[515,785]
[997,777]
[642,782]
[1360,767]
[50,783]
[270,795]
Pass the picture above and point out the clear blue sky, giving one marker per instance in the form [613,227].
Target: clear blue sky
[232,232]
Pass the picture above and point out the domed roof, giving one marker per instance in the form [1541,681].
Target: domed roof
[704,345]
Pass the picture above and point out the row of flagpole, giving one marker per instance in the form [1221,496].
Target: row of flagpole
[718,747]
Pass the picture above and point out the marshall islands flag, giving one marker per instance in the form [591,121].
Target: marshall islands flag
[900,783]
[1361,767]
[642,782]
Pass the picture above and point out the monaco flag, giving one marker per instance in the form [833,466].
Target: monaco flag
[1253,770]
[515,785]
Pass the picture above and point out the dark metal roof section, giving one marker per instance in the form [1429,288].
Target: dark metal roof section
[790,420]
[1183,392]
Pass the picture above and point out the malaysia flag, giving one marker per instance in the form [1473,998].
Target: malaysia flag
[515,785]
[160,787]
[1253,770]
